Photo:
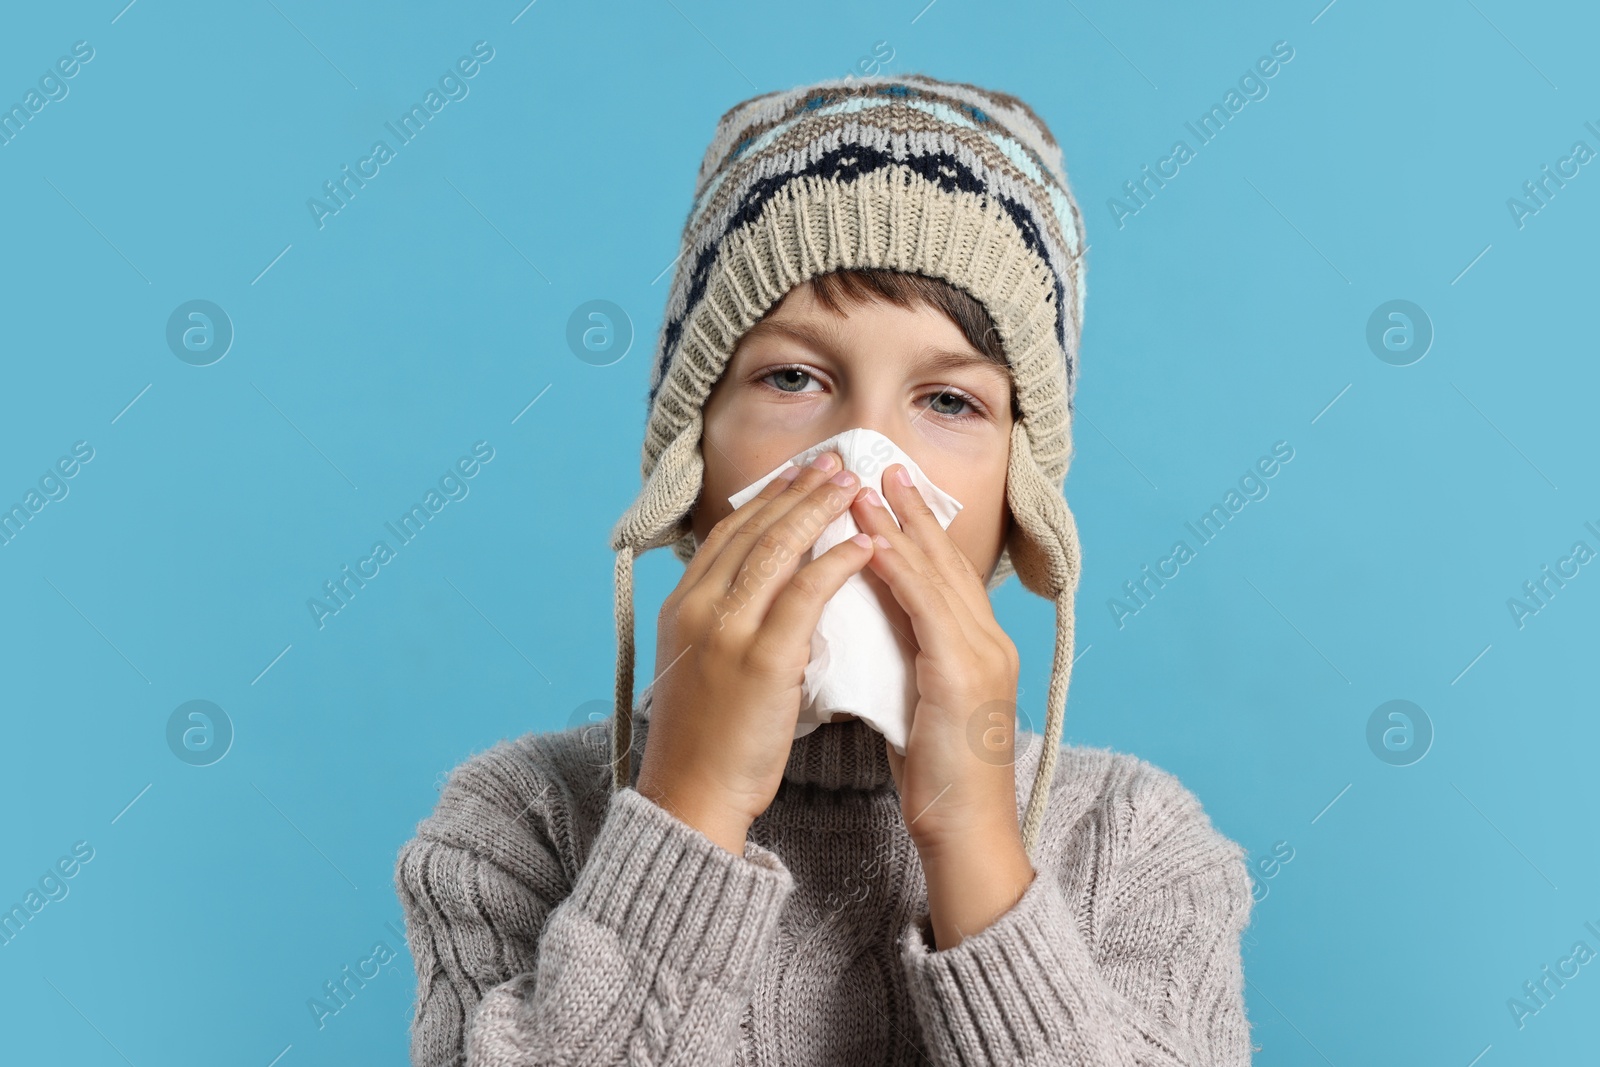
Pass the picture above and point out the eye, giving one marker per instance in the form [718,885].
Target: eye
[948,403]
[958,398]
[784,377]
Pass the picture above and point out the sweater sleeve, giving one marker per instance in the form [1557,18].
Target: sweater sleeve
[648,958]
[1160,985]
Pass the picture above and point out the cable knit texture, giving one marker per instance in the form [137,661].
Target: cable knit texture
[557,916]
[555,920]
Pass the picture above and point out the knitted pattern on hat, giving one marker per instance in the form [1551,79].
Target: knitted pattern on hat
[913,174]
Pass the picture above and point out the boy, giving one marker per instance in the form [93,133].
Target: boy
[729,893]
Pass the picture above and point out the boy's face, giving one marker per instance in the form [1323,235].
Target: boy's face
[804,373]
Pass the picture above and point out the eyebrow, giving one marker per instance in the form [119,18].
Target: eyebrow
[815,336]
[946,359]
[931,357]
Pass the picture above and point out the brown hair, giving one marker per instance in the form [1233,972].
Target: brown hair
[838,288]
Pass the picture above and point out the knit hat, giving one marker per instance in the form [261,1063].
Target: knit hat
[907,173]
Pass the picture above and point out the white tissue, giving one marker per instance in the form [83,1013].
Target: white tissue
[861,661]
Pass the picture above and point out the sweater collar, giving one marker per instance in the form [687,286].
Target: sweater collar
[838,755]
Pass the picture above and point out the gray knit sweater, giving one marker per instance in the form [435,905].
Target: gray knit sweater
[554,923]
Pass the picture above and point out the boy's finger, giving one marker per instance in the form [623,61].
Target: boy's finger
[930,546]
[741,540]
[940,619]
[919,521]
[772,541]
[716,540]
[797,609]
[913,570]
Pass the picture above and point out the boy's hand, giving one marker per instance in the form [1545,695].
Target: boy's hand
[956,780]
[732,643]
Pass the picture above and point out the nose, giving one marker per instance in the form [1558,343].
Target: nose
[896,425]
[882,414]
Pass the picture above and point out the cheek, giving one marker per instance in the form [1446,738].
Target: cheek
[984,512]
[717,486]
[981,488]
[974,474]
[736,452]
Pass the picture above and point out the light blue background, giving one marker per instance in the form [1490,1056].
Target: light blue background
[1228,314]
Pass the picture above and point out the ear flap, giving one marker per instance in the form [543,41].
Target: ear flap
[657,517]
[1043,543]
[1043,547]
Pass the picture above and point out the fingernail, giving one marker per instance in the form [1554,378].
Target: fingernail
[826,461]
[902,476]
[880,540]
[871,496]
[789,474]
[862,539]
[843,478]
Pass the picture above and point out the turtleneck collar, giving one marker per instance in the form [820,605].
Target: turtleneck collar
[838,755]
